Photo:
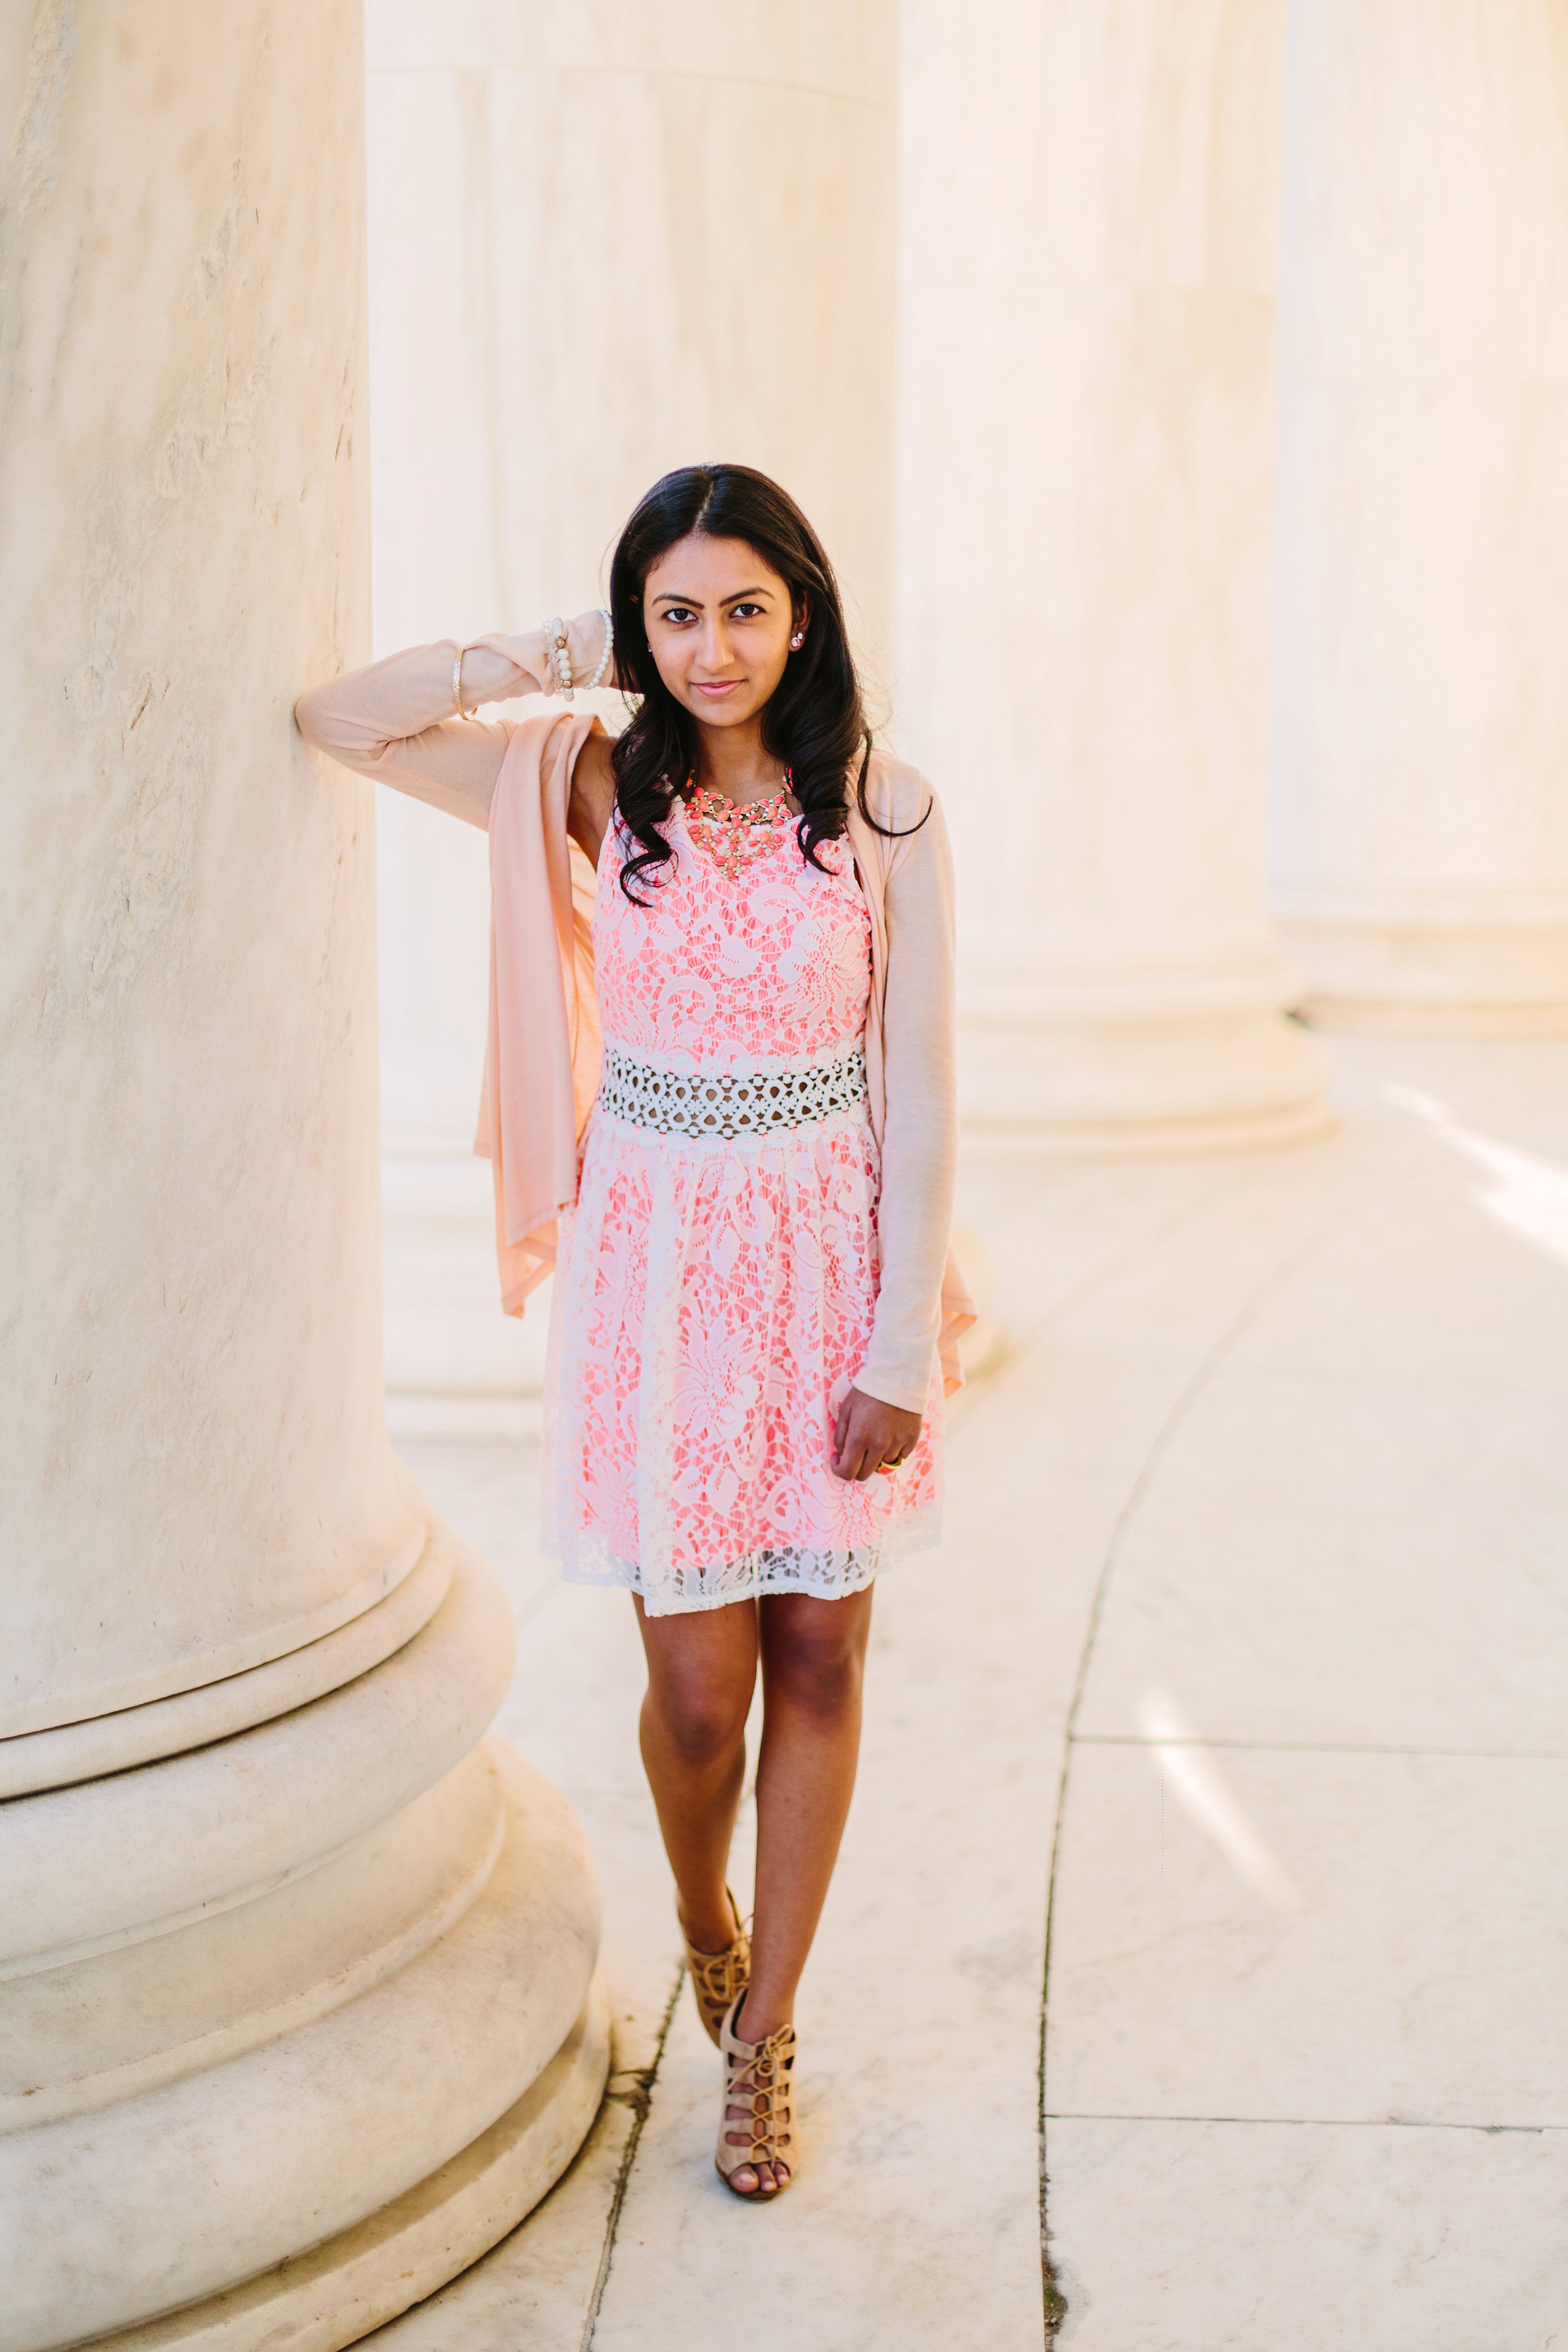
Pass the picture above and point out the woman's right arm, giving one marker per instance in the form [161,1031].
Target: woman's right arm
[397,721]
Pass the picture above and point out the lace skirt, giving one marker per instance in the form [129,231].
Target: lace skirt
[713,1303]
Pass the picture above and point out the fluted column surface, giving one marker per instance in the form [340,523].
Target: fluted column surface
[1419,847]
[1087,386]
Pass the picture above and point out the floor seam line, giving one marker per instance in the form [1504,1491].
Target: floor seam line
[641,2108]
[1163,1437]
[1308,2122]
[1320,1748]
[1344,1210]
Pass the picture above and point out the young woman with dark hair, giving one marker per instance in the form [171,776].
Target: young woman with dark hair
[720,1106]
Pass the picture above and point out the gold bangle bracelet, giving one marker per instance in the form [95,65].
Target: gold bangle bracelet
[458,685]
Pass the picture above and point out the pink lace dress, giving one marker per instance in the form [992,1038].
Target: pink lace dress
[716,1286]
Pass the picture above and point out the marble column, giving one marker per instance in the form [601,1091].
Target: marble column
[1419,848]
[1088,198]
[296,1971]
[604,242]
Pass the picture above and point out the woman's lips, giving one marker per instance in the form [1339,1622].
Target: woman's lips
[720,688]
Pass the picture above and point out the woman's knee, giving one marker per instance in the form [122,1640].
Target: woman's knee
[701,1723]
[816,1669]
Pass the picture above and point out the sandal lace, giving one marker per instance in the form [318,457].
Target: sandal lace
[758,2101]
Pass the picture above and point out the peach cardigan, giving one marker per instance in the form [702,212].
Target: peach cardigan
[542,1062]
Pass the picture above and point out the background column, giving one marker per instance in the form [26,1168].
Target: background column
[1086,387]
[1420,821]
[289,1958]
[604,242]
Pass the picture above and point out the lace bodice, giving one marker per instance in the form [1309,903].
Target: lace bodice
[728,972]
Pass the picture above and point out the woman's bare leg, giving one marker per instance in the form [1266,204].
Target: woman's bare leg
[702,1670]
[814,1655]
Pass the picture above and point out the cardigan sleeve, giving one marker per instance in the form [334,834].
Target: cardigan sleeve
[920,1141]
[396,720]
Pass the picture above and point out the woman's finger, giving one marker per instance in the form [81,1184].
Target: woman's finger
[840,1431]
[856,1456]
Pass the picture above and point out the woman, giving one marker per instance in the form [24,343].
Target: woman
[729,1091]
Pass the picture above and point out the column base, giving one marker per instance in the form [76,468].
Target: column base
[1125,1054]
[1131,1086]
[357,2281]
[456,1366]
[1488,968]
[281,2122]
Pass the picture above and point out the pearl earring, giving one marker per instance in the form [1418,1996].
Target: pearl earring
[796,642]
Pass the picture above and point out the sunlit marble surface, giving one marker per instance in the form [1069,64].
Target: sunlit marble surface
[1271,1464]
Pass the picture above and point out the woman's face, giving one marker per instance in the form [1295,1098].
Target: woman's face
[719,623]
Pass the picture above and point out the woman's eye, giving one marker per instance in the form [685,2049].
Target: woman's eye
[680,614]
[745,612]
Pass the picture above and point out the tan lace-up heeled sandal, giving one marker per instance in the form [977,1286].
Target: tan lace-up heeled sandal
[719,1979]
[757,2120]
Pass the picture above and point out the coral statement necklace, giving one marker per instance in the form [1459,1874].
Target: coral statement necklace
[735,837]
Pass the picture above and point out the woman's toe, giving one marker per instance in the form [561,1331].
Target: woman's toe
[743,2180]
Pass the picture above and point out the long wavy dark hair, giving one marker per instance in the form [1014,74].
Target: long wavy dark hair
[814,721]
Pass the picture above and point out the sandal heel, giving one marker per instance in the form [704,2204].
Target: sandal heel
[719,1979]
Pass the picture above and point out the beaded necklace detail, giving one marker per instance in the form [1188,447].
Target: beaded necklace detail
[735,837]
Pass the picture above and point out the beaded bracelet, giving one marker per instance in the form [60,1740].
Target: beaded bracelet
[560,657]
[598,676]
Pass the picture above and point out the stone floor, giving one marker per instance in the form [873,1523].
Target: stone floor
[1229,1728]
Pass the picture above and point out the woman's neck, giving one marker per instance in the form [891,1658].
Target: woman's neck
[730,761]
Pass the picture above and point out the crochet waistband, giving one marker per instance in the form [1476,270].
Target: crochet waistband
[724,1104]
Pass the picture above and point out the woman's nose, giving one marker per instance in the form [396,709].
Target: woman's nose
[715,647]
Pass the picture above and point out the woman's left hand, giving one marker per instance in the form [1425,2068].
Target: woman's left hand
[870,1436]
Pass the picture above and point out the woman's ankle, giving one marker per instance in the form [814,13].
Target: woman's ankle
[758,2017]
[709,1927]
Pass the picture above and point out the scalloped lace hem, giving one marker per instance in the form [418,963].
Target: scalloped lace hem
[586,1559]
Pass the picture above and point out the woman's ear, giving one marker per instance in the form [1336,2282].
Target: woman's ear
[802,623]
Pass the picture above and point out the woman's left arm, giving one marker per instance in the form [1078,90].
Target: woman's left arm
[919,1142]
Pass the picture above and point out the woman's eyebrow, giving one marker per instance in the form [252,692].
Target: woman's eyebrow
[741,596]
